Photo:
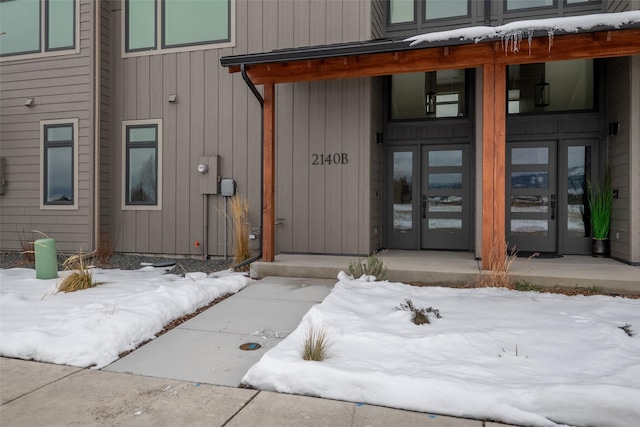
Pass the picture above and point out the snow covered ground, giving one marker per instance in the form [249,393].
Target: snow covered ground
[518,357]
[93,326]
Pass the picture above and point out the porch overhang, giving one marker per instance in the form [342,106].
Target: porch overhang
[387,57]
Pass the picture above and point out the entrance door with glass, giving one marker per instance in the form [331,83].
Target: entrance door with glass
[445,197]
[531,196]
[429,197]
[547,210]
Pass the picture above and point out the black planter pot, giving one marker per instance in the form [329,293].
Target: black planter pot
[600,248]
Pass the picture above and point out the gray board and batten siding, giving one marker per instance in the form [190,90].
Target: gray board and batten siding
[63,89]
[324,209]
[623,107]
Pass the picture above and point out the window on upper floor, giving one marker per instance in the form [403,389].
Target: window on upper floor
[529,4]
[431,95]
[59,164]
[142,156]
[159,25]
[401,11]
[551,87]
[36,27]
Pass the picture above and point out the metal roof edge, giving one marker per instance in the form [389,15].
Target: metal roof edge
[375,46]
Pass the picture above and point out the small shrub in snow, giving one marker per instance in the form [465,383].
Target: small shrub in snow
[373,266]
[316,345]
[627,329]
[419,315]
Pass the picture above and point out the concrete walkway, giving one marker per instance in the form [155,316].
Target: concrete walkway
[41,394]
[189,376]
[206,348]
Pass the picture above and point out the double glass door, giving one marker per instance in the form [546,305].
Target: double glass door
[430,197]
[546,197]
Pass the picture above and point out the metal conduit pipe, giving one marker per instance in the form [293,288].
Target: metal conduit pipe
[256,93]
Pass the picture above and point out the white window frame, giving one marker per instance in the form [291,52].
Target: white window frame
[124,205]
[57,52]
[43,124]
[159,49]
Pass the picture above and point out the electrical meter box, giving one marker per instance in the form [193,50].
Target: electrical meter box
[209,178]
[228,187]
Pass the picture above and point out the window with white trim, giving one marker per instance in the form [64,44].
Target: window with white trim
[37,26]
[142,156]
[59,164]
[154,25]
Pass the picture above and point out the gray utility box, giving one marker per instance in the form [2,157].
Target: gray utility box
[228,187]
[209,178]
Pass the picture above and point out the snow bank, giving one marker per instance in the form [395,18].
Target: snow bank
[93,326]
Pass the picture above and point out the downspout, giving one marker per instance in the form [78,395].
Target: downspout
[256,93]
[96,123]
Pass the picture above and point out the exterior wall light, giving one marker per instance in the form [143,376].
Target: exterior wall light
[430,103]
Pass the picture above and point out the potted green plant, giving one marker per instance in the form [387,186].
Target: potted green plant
[600,201]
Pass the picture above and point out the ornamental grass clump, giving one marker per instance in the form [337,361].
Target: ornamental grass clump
[240,216]
[79,276]
[600,202]
[373,266]
[499,275]
[316,345]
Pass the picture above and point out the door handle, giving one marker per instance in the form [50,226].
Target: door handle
[424,206]
[552,206]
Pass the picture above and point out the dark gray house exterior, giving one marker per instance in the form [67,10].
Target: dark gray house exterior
[107,108]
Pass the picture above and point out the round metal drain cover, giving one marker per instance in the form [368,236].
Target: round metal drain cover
[248,346]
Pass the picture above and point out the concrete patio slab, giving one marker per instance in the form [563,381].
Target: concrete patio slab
[198,356]
[448,268]
[94,397]
[20,377]
[290,289]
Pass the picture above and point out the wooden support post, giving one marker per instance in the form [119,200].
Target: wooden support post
[493,161]
[499,157]
[269,174]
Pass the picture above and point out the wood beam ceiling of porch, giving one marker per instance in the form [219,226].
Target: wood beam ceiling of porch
[604,44]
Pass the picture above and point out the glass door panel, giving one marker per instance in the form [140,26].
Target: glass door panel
[531,196]
[402,193]
[445,197]
[577,160]
[401,206]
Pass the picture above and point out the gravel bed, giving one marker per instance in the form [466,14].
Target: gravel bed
[133,262]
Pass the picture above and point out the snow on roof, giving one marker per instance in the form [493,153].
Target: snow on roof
[512,33]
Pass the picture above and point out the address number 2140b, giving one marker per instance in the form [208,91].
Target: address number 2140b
[329,159]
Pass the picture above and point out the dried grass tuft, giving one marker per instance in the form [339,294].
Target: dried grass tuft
[499,267]
[79,277]
[316,345]
[240,217]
